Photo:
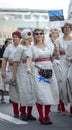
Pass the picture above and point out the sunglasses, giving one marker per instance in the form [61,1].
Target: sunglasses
[39,33]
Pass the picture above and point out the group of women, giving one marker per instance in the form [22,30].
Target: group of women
[25,62]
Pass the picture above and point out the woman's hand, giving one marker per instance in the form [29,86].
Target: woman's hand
[29,71]
[3,75]
[12,80]
[56,50]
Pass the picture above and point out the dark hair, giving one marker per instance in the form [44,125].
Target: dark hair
[66,24]
[7,40]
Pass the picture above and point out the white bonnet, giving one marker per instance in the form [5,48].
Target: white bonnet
[26,33]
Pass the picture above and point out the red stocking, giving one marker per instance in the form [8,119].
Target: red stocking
[59,106]
[62,106]
[40,110]
[23,110]
[70,109]
[47,110]
[29,110]
[15,108]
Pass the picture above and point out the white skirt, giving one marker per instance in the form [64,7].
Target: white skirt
[47,94]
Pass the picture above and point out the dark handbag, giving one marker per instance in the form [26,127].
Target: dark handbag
[47,73]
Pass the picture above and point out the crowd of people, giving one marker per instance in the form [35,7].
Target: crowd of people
[39,72]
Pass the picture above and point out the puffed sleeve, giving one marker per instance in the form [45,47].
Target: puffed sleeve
[18,54]
[6,52]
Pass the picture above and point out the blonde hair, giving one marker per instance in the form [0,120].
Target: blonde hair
[54,30]
[25,41]
[22,42]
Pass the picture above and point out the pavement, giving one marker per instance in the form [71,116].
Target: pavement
[8,122]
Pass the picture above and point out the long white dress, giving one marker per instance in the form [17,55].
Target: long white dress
[69,70]
[24,80]
[46,93]
[63,49]
[9,53]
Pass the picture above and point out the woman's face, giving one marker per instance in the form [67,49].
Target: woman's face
[39,35]
[67,29]
[16,39]
[54,35]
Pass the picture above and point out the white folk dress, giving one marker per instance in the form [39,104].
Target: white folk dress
[9,53]
[63,49]
[24,80]
[46,93]
[69,72]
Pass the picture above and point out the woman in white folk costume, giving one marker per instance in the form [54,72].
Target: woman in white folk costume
[63,42]
[8,58]
[47,94]
[54,34]
[24,80]
[69,75]
[4,85]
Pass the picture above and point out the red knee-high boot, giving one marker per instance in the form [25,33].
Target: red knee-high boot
[40,110]
[47,111]
[62,106]
[15,109]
